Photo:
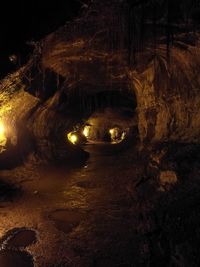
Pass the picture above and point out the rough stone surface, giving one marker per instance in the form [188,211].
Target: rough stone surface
[168,177]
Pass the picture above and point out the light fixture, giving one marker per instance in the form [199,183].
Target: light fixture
[73,138]
[86,131]
[111,131]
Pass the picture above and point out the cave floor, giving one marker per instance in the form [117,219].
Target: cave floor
[102,214]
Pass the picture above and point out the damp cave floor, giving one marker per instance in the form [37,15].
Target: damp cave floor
[96,216]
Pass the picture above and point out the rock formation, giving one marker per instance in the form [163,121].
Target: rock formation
[96,53]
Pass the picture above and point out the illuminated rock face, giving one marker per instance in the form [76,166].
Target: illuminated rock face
[168,96]
[82,59]
[166,85]
[92,54]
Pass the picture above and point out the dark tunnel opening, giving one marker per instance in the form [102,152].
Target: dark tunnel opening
[105,117]
[88,103]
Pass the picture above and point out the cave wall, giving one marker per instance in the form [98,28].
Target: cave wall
[166,88]
[50,128]
[168,96]
[33,125]
[91,55]
[15,105]
[165,82]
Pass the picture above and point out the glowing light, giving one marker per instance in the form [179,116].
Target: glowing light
[117,135]
[111,131]
[2,129]
[72,138]
[123,135]
[86,131]
[2,135]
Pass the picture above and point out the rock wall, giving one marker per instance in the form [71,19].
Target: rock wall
[32,125]
[168,96]
[92,55]
[164,79]
[15,105]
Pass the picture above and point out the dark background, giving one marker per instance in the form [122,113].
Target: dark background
[24,21]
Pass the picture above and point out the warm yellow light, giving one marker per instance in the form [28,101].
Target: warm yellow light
[3,138]
[116,135]
[72,138]
[86,131]
[111,131]
[2,129]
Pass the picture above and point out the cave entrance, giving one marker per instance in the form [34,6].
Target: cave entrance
[107,117]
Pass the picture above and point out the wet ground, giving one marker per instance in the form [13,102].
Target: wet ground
[103,214]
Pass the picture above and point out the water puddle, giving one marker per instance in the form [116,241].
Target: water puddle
[66,220]
[12,245]
[20,238]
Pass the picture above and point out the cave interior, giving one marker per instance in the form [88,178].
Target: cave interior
[100,141]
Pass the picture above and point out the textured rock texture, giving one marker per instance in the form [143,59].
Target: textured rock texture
[90,55]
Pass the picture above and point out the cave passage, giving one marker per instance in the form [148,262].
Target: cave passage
[107,117]
[100,140]
[86,103]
